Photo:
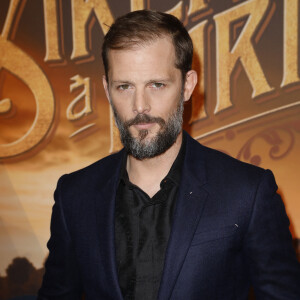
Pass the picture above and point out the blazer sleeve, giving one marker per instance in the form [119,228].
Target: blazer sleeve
[273,265]
[61,280]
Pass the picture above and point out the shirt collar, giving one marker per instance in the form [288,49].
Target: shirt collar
[173,175]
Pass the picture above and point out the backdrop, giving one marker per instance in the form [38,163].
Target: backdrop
[54,117]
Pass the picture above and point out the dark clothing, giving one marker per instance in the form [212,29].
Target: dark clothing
[229,231]
[142,229]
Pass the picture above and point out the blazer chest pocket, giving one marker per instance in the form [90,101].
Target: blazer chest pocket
[216,234]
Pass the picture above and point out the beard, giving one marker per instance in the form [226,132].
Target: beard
[142,148]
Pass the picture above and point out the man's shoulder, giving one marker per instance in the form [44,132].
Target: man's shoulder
[222,160]
[221,165]
[228,179]
[99,171]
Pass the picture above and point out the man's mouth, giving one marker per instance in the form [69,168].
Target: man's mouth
[143,125]
[144,121]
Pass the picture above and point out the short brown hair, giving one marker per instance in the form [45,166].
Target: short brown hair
[141,26]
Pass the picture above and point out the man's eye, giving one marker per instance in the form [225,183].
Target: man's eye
[157,85]
[123,87]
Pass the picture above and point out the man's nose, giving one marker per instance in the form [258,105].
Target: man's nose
[141,102]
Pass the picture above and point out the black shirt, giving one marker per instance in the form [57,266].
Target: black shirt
[142,229]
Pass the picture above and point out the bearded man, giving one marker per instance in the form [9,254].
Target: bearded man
[165,218]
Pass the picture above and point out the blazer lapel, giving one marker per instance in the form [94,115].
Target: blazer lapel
[189,206]
[105,213]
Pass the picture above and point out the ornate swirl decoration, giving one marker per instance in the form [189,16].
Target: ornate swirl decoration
[281,140]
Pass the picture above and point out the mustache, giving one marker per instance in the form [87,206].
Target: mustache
[144,119]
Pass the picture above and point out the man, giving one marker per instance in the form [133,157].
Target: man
[165,218]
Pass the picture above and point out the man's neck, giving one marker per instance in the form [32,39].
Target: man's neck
[148,173]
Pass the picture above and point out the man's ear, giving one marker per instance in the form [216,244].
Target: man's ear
[105,85]
[191,79]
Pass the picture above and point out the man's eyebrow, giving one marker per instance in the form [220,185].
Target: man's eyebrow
[121,82]
[162,80]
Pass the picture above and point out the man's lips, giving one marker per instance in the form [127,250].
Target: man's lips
[141,126]
[143,121]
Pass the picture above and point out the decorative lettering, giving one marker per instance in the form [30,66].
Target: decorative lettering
[176,10]
[197,35]
[81,11]
[78,81]
[5,105]
[24,67]
[242,50]
[196,5]
[9,18]
[136,5]
[291,42]
[51,33]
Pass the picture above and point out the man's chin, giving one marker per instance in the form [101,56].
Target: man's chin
[146,140]
[144,135]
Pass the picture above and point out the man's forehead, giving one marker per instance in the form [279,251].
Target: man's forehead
[137,42]
[158,54]
[138,45]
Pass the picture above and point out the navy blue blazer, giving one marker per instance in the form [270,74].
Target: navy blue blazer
[230,231]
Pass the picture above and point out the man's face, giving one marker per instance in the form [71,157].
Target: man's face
[147,94]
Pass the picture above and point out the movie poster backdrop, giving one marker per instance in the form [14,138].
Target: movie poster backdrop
[54,116]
